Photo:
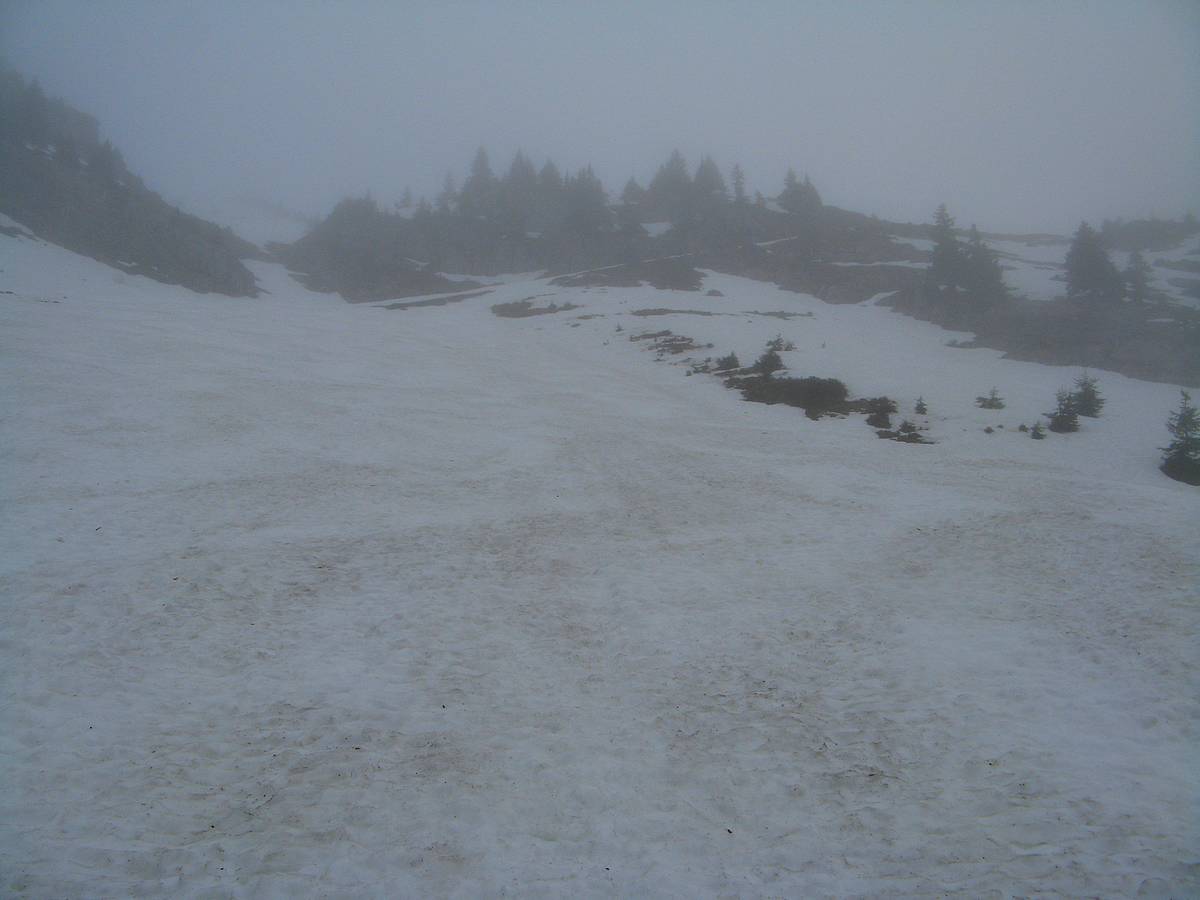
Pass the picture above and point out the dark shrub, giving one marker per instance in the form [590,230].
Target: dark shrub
[907,433]
[816,396]
[1088,401]
[1181,457]
[725,363]
[1065,417]
[879,411]
[992,401]
[767,363]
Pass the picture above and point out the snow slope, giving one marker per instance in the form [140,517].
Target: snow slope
[311,599]
[1038,270]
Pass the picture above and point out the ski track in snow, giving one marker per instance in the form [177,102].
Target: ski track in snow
[311,599]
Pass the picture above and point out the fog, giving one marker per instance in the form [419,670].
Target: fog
[1018,115]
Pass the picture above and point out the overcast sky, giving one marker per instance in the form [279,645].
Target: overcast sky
[1018,115]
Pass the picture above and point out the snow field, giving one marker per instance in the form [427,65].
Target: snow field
[304,598]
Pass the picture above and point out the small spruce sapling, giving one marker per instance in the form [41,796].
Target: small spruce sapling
[992,401]
[767,363]
[1181,457]
[1037,432]
[921,409]
[1065,417]
[1088,401]
[725,363]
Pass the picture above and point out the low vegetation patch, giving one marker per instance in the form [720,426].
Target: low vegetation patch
[663,311]
[816,396]
[667,341]
[907,433]
[780,314]
[435,301]
[522,309]
[992,401]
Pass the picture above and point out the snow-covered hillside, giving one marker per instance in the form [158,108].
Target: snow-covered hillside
[1037,268]
[310,599]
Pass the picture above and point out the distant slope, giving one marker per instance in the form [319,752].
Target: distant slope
[58,179]
[364,254]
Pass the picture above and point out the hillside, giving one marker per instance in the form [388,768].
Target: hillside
[528,221]
[58,179]
[482,593]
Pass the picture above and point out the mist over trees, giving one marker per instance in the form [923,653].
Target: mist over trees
[1091,275]
[60,179]
[963,278]
[533,218]
[69,185]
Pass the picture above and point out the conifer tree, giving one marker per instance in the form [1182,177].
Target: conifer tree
[981,274]
[1065,417]
[630,211]
[945,265]
[1086,396]
[519,189]
[517,194]
[708,186]
[992,401]
[478,195]
[586,203]
[633,193]
[739,185]
[811,197]
[789,197]
[797,196]
[670,190]
[1091,275]
[549,180]
[769,362]
[548,211]
[448,196]
[1137,277]
[1181,457]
